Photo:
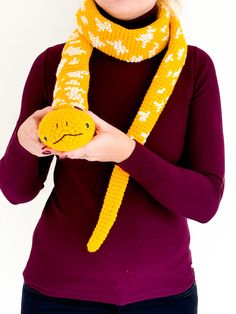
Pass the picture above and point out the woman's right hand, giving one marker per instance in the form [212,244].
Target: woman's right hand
[28,134]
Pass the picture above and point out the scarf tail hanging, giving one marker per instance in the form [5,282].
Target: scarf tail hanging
[134,45]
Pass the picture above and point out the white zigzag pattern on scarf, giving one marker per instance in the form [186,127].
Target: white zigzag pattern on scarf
[152,52]
[74,61]
[75,93]
[159,105]
[102,26]
[145,135]
[180,53]
[143,115]
[81,5]
[78,74]
[73,82]
[118,46]
[136,59]
[84,19]
[161,90]
[74,36]
[61,65]
[96,42]
[147,37]
[178,32]
[72,51]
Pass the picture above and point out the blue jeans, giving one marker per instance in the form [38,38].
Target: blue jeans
[35,303]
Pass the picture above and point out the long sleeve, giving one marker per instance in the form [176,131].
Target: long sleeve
[194,187]
[22,174]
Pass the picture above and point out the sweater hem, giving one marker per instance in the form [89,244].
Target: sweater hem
[121,300]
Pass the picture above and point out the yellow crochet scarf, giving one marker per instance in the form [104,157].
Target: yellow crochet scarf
[130,45]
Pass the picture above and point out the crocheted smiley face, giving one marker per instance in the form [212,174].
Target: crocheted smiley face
[66,128]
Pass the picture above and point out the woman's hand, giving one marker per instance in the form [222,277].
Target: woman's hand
[109,144]
[28,134]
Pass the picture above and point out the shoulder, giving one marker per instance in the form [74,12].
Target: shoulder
[52,57]
[200,64]
[52,53]
[199,58]
[55,51]
[49,60]
[198,52]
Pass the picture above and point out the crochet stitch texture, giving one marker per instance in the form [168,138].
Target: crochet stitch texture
[66,128]
[129,45]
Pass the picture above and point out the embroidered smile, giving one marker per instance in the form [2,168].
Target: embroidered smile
[67,135]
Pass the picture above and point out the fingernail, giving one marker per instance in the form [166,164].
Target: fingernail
[46,152]
[63,157]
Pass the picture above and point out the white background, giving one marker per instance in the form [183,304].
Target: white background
[28,28]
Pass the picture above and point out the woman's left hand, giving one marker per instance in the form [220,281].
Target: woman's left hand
[109,144]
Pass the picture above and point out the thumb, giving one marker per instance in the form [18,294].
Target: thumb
[101,124]
[38,114]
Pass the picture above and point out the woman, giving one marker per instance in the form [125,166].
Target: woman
[144,264]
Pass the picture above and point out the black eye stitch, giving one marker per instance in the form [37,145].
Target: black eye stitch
[87,125]
[76,107]
[57,125]
[66,123]
[45,138]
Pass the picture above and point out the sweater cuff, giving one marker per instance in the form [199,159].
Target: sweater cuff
[129,163]
[17,167]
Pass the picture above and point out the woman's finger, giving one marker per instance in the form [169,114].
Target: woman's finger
[101,124]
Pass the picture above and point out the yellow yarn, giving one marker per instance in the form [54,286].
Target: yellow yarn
[134,45]
[66,129]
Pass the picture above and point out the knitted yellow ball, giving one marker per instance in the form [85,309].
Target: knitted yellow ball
[66,128]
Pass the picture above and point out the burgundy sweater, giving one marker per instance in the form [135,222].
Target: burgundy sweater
[177,174]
